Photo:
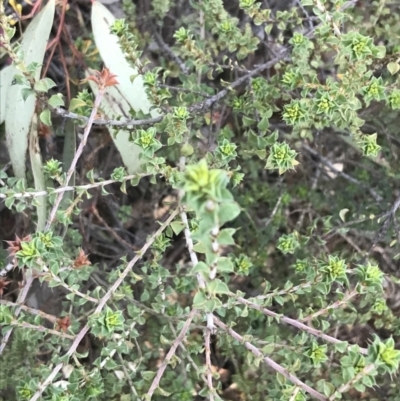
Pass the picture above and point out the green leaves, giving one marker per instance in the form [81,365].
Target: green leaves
[394,99]
[106,323]
[281,158]
[335,269]
[384,354]
[201,184]
[317,353]
[6,315]
[147,141]
[288,243]
[358,47]
[371,276]
[375,90]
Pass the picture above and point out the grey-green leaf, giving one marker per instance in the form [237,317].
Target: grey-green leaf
[114,104]
[38,175]
[18,112]
[5,81]
[127,95]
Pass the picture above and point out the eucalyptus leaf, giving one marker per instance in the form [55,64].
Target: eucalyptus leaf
[18,112]
[38,174]
[68,156]
[5,81]
[113,104]
[114,59]
[120,99]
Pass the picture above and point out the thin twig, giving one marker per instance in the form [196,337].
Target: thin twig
[294,395]
[112,231]
[349,178]
[167,50]
[25,325]
[171,353]
[20,300]
[208,364]
[196,108]
[102,303]
[269,219]
[128,378]
[280,369]
[328,308]
[35,194]
[345,387]
[51,318]
[7,269]
[78,154]
[295,323]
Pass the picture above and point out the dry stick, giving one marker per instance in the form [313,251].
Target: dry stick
[349,178]
[270,362]
[102,303]
[171,353]
[195,367]
[112,231]
[328,17]
[205,105]
[202,105]
[35,194]
[294,395]
[26,325]
[20,300]
[78,154]
[194,259]
[24,292]
[208,364]
[167,50]
[36,312]
[335,305]
[345,387]
[128,378]
[295,323]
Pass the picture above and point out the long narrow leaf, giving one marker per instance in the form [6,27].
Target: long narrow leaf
[18,112]
[38,175]
[113,105]
[114,59]
[126,96]
[68,155]
[5,81]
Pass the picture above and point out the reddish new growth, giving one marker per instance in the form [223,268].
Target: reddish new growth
[15,246]
[104,78]
[63,323]
[81,260]
[3,285]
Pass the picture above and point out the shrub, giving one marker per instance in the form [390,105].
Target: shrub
[263,138]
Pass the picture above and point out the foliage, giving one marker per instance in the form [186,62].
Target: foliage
[264,138]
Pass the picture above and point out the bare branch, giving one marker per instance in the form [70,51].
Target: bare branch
[270,362]
[171,353]
[102,303]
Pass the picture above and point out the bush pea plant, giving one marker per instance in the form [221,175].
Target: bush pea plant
[217,218]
